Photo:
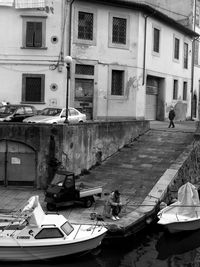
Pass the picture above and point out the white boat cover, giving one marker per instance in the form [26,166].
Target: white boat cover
[187,206]
[33,211]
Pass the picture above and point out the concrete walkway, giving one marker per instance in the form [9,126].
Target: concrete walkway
[135,170]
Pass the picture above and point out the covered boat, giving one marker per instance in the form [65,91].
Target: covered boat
[35,235]
[184,214]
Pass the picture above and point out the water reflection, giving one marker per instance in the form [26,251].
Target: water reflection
[152,248]
[180,248]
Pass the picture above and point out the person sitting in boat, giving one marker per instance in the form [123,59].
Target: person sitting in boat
[113,205]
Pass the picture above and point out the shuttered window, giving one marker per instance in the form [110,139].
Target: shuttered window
[184,90]
[33,88]
[175,89]
[117,85]
[34,34]
[185,56]
[156,40]
[176,48]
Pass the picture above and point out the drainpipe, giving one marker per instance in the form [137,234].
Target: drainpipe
[192,59]
[70,26]
[145,42]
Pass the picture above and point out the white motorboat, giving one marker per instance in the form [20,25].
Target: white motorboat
[35,235]
[184,214]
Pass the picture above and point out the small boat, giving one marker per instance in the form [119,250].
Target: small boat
[35,235]
[184,214]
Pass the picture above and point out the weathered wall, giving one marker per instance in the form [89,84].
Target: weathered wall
[77,147]
[185,169]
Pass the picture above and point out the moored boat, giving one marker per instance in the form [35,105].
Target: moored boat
[35,235]
[184,214]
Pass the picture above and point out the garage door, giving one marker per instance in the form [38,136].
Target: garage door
[151,107]
[17,164]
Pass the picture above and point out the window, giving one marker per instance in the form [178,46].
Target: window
[185,64]
[184,90]
[176,48]
[84,69]
[85,25]
[84,88]
[29,110]
[49,233]
[175,89]
[197,16]
[33,88]
[20,111]
[156,40]
[34,32]
[118,31]
[196,52]
[67,228]
[117,82]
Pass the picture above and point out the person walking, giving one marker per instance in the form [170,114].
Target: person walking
[171,117]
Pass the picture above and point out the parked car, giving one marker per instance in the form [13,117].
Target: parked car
[16,113]
[57,115]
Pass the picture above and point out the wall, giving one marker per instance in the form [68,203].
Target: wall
[77,147]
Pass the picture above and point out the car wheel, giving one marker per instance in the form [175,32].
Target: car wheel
[51,207]
[88,201]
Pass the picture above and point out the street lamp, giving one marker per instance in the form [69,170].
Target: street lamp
[68,61]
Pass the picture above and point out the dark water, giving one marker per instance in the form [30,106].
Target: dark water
[152,247]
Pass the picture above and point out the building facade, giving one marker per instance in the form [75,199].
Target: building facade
[186,12]
[129,61]
[31,51]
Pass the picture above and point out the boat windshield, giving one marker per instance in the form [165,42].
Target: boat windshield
[67,228]
[58,179]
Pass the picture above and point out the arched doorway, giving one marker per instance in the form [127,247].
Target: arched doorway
[17,164]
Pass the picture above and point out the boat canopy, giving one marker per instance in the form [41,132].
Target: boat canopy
[188,203]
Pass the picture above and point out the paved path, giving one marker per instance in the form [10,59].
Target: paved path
[134,170]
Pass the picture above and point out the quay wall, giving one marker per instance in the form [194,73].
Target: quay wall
[76,147]
[185,169]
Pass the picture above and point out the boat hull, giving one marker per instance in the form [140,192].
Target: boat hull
[34,253]
[175,227]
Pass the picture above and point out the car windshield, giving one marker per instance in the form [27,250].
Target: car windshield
[7,109]
[51,112]
[58,179]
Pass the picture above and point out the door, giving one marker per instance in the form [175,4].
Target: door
[84,90]
[151,98]
[17,164]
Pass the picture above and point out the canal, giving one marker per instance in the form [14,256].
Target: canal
[151,248]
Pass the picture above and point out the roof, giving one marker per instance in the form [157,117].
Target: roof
[150,11]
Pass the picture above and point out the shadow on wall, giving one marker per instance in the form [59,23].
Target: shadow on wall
[180,109]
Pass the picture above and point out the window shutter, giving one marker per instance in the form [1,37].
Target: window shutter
[38,34]
[29,33]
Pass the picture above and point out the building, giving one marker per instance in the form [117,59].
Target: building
[186,12]
[130,61]
[31,52]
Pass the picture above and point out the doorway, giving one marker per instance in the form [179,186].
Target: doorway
[17,164]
